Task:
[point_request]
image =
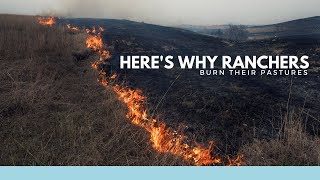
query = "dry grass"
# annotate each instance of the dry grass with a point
(292, 147)
(53, 112)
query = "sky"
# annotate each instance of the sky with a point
(172, 12)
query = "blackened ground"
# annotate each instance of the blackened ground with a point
(230, 110)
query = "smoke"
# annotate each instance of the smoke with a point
(172, 12)
(81, 8)
(205, 12)
(120, 9)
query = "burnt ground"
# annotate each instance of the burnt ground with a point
(232, 110)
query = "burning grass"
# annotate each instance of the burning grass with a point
(163, 139)
(73, 28)
(46, 21)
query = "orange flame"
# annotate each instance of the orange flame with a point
(238, 161)
(104, 54)
(75, 28)
(46, 21)
(94, 41)
(113, 76)
(95, 65)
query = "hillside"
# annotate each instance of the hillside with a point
(300, 27)
(308, 26)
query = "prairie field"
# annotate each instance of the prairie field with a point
(53, 112)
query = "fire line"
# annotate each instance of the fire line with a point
(162, 138)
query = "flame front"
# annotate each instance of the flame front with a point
(46, 21)
(163, 139)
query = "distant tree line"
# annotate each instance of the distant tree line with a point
(233, 32)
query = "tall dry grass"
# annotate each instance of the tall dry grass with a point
(293, 146)
(53, 112)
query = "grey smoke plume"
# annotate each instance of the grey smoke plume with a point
(206, 12)
(173, 12)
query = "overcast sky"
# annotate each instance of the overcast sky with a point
(172, 12)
